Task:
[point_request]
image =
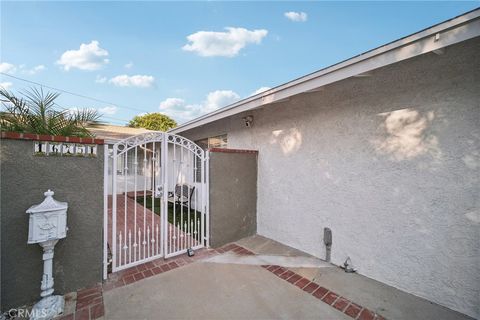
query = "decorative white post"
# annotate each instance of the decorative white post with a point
(47, 224)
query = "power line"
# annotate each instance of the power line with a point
(102, 116)
(72, 93)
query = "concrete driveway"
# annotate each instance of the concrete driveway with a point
(206, 290)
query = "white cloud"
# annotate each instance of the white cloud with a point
(296, 16)
(128, 65)
(124, 80)
(108, 110)
(218, 99)
(171, 103)
(260, 90)
(89, 57)
(6, 85)
(33, 70)
(73, 110)
(10, 68)
(179, 110)
(100, 79)
(224, 44)
(6, 67)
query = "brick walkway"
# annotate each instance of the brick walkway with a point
(89, 302)
(137, 225)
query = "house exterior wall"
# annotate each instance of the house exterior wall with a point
(232, 196)
(389, 162)
(78, 257)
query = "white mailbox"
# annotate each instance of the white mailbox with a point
(48, 220)
(47, 224)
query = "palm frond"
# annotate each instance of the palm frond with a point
(35, 113)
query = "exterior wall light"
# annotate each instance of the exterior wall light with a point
(248, 121)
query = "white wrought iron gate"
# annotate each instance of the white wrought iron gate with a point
(156, 199)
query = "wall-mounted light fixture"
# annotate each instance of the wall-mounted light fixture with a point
(248, 121)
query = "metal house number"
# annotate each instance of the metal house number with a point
(52, 149)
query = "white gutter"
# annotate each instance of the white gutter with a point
(458, 29)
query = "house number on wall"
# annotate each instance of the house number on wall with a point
(56, 149)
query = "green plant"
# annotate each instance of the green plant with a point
(35, 113)
(153, 121)
(181, 214)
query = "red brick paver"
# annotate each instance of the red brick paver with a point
(341, 303)
(311, 287)
(330, 298)
(353, 310)
(366, 314)
(323, 294)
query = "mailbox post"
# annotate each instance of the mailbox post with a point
(47, 225)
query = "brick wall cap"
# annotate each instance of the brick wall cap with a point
(43, 137)
(226, 150)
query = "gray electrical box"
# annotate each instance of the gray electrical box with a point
(327, 236)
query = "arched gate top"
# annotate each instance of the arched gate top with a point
(158, 136)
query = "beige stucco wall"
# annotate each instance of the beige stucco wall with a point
(390, 163)
(232, 196)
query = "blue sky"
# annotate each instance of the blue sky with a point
(152, 56)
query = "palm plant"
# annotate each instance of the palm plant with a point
(35, 113)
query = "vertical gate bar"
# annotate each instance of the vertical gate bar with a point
(177, 238)
(195, 183)
(148, 242)
(125, 177)
(114, 208)
(174, 176)
(144, 195)
(135, 244)
(139, 241)
(207, 197)
(164, 208)
(158, 240)
(129, 245)
(181, 195)
(202, 200)
(106, 164)
(161, 173)
(198, 233)
(190, 236)
(185, 235)
(120, 248)
(154, 160)
(188, 199)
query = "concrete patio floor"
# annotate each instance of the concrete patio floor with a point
(207, 289)
(379, 297)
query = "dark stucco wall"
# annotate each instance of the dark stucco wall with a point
(78, 257)
(233, 196)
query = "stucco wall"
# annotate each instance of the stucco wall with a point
(233, 196)
(389, 162)
(78, 258)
